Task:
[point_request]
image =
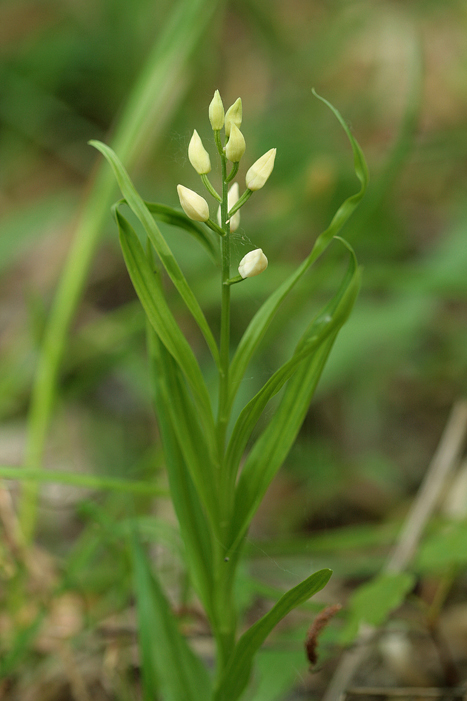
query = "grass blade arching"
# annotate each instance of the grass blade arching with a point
(264, 316)
(238, 671)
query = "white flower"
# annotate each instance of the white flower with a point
(232, 198)
(194, 206)
(233, 116)
(216, 112)
(199, 157)
(260, 170)
(236, 144)
(253, 263)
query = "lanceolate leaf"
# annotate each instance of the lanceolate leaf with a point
(197, 454)
(136, 203)
(238, 670)
(162, 320)
(167, 660)
(273, 445)
(329, 320)
(264, 316)
(193, 525)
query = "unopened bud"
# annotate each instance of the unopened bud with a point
(199, 157)
(260, 171)
(253, 263)
(232, 199)
(233, 116)
(236, 145)
(216, 112)
(194, 206)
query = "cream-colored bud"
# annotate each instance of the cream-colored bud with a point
(236, 144)
(199, 157)
(232, 198)
(194, 206)
(216, 112)
(233, 116)
(253, 263)
(260, 171)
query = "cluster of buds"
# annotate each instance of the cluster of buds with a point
(196, 207)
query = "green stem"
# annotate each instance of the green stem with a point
(240, 202)
(212, 225)
(209, 188)
(224, 614)
(234, 280)
(225, 318)
(233, 172)
(217, 139)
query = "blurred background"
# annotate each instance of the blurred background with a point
(397, 71)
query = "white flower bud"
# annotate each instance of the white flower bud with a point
(233, 116)
(199, 157)
(260, 171)
(194, 206)
(236, 144)
(253, 263)
(232, 198)
(216, 112)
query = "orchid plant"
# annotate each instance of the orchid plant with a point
(206, 442)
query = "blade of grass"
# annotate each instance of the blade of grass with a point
(237, 673)
(166, 257)
(168, 663)
(193, 524)
(264, 316)
(154, 98)
(183, 416)
(77, 479)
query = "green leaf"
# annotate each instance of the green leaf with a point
(193, 525)
(329, 320)
(238, 670)
(168, 663)
(373, 602)
(264, 316)
(80, 479)
(273, 445)
(162, 319)
(197, 454)
(444, 549)
(138, 206)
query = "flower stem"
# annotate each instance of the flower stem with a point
(233, 172)
(207, 184)
(225, 317)
(240, 202)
